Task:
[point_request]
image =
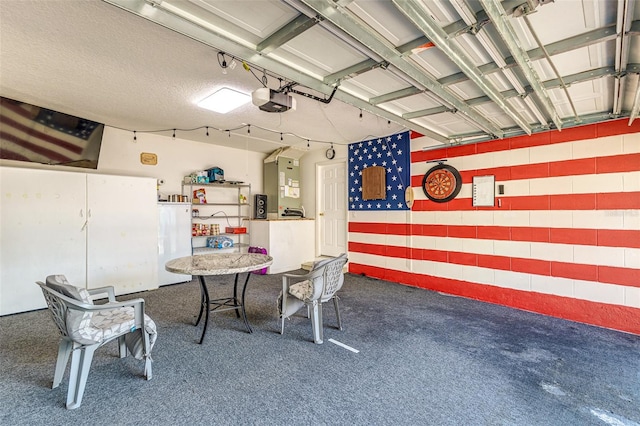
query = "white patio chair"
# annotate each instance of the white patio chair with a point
(85, 327)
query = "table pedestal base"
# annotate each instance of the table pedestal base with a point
(223, 304)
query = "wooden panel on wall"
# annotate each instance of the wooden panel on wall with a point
(373, 183)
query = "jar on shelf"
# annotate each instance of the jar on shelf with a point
(195, 213)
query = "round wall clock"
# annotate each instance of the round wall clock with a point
(330, 153)
(441, 183)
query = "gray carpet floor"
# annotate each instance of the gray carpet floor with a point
(424, 359)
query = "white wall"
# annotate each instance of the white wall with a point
(120, 154)
(308, 174)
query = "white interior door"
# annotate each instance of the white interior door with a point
(41, 233)
(332, 211)
(122, 239)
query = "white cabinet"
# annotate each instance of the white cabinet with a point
(291, 242)
(122, 233)
(227, 205)
(97, 230)
(174, 239)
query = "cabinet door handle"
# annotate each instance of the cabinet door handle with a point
(86, 222)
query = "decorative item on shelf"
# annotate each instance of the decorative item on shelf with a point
(195, 213)
(203, 229)
(215, 174)
(235, 230)
(219, 242)
(200, 196)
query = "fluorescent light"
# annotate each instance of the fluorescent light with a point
(224, 100)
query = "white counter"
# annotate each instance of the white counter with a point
(290, 242)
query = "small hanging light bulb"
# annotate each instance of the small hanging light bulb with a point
(135, 138)
(248, 128)
(223, 64)
(174, 133)
(388, 123)
(229, 133)
(280, 136)
(207, 130)
(360, 114)
(308, 147)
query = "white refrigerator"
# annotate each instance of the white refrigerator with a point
(174, 239)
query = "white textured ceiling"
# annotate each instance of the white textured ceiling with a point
(98, 61)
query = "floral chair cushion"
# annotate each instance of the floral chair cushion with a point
(114, 322)
(95, 327)
(302, 290)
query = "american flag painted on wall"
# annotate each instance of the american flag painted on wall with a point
(391, 152)
(563, 239)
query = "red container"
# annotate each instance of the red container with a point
(235, 230)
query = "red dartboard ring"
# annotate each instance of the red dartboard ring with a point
(441, 183)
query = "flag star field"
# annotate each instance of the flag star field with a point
(391, 152)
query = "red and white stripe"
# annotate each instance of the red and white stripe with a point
(564, 239)
(23, 139)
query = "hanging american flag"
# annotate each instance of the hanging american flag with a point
(32, 133)
(391, 152)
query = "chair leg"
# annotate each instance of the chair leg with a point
(316, 321)
(123, 347)
(148, 372)
(64, 350)
(80, 365)
(335, 304)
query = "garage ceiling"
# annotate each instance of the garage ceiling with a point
(458, 71)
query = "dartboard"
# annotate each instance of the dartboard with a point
(441, 183)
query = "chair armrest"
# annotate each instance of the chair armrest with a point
(101, 290)
(136, 304)
(74, 304)
(288, 278)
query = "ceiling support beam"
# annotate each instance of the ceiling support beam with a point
(392, 96)
(506, 31)
(623, 44)
(347, 22)
(636, 102)
(354, 71)
(512, 93)
(580, 77)
(489, 44)
(634, 29)
(407, 48)
(426, 112)
(288, 32)
(193, 27)
(415, 13)
(599, 35)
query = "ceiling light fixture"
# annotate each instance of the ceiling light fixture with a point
(224, 100)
